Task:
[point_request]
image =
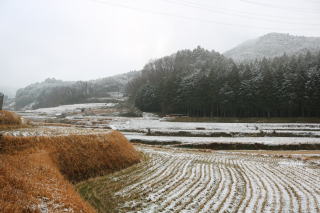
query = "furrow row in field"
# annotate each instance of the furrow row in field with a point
(161, 167)
(303, 194)
(192, 181)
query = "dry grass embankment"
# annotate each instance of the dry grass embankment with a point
(10, 120)
(35, 171)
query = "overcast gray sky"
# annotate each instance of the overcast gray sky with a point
(89, 39)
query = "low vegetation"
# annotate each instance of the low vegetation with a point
(9, 119)
(35, 172)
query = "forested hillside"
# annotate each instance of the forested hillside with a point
(205, 83)
(54, 92)
(273, 45)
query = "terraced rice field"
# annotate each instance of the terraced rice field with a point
(181, 180)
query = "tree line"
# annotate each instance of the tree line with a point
(53, 92)
(205, 83)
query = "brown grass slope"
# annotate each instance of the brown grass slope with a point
(7, 117)
(9, 120)
(35, 171)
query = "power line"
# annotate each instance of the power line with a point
(239, 11)
(185, 17)
(201, 7)
(300, 10)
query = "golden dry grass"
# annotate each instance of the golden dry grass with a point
(28, 180)
(35, 170)
(9, 118)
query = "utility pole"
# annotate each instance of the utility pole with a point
(1, 100)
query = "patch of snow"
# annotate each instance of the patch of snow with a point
(243, 140)
(70, 108)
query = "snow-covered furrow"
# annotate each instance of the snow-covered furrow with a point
(303, 192)
(172, 198)
(234, 197)
(274, 194)
(275, 202)
(308, 177)
(221, 191)
(155, 184)
(161, 168)
(189, 194)
(227, 190)
(199, 197)
(259, 190)
(194, 181)
(212, 191)
(146, 171)
(172, 185)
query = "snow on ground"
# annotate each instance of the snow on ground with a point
(70, 108)
(179, 180)
(54, 112)
(156, 124)
(164, 131)
(99, 115)
(206, 140)
(53, 131)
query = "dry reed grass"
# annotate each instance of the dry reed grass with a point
(9, 118)
(35, 171)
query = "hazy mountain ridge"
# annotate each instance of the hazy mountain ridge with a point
(53, 92)
(273, 45)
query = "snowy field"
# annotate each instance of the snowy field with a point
(54, 112)
(70, 108)
(53, 131)
(208, 140)
(172, 179)
(151, 128)
(175, 180)
(136, 129)
(156, 124)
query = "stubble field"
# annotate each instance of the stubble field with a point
(180, 180)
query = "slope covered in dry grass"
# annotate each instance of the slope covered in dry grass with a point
(35, 171)
(9, 120)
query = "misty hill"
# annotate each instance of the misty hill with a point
(52, 92)
(273, 45)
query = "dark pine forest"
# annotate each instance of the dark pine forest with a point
(205, 83)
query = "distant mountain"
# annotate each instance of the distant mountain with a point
(273, 45)
(52, 92)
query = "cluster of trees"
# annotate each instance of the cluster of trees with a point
(205, 83)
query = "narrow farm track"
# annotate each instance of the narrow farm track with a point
(180, 180)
